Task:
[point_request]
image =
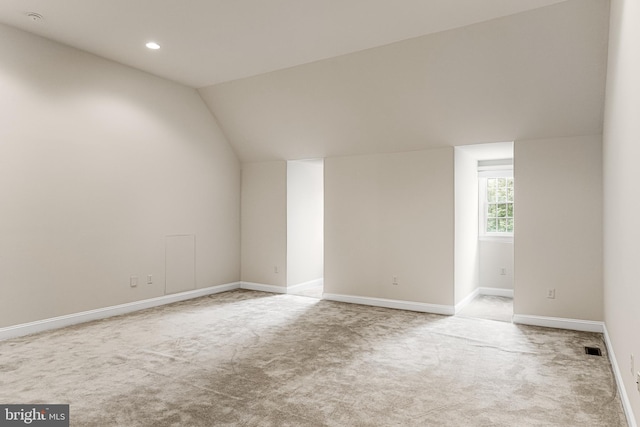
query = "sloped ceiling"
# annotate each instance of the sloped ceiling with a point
(210, 41)
(291, 79)
(532, 75)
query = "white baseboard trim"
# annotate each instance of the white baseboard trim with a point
(263, 288)
(559, 323)
(626, 404)
(497, 292)
(448, 310)
(304, 285)
(462, 304)
(101, 313)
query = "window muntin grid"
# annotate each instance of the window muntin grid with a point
(499, 205)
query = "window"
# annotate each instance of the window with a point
(499, 202)
(496, 197)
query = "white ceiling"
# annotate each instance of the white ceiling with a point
(205, 42)
(533, 75)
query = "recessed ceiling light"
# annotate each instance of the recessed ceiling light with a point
(153, 45)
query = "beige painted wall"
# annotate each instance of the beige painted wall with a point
(264, 223)
(98, 163)
(391, 215)
(531, 75)
(494, 256)
(305, 221)
(466, 224)
(622, 203)
(558, 237)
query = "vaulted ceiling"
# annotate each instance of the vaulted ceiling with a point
(299, 79)
(210, 41)
(537, 74)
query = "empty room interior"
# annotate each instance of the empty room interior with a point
(340, 213)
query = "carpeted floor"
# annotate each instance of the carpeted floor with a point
(314, 291)
(489, 307)
(246, 358)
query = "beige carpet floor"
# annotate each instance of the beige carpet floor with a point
(246, 358)
(314, 291)
(489, 307)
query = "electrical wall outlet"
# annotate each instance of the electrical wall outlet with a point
(149, 279)
(551, 293)
(503, 271)
(394, 282)
(133, 281)
(275, 269)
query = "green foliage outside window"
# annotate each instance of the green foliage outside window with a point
(499, 205)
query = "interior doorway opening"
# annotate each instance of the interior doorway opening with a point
(485, 227)
(305, 227)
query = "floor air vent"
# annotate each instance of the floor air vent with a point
(593, 351)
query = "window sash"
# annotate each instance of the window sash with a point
(496, 203)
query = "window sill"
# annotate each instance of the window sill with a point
(499, 239)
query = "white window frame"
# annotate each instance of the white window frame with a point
(505, 171)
